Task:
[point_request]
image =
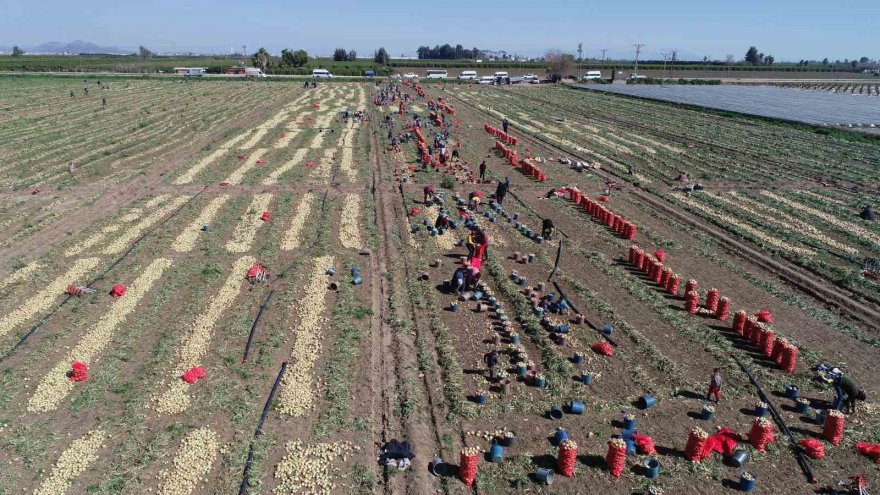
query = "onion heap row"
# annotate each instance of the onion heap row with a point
(249, 222)
(124, 241)
(186, 240)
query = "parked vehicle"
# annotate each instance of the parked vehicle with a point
(530, 77)
(468, 75)
(190, 71)
(321, 73)
(253, 72)
(486, 80)
(635, 77)
(436, 74)
(369, 73)
(592, 74)
(410, 75)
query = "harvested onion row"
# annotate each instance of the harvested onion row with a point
(71, 464)
(43, 299)
(238, 174)
(308, 468)
(291, 238)
(248, 223)
(55, 385)
(124, 241)
(296, 395)
(193, 461)
(198, 337)
(204, 162)
(349, 234)
(346, 164)
(132, 215)
(186, 241)
(20, 274)
(832, 219)
(298, 157)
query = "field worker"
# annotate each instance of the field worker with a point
(475, 203)
(501, 190)
(458, 279)
(715, 386)
(868, 212)
(482, 168)
(481, 245)
(491, 360)
(71, 93)
(847, 395)
(104, 101)
(429, 193)
(470, 243)
(505, 124)
(473, 277)
(547, 229)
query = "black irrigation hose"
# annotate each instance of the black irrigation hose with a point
(98, 277)
(798, 452)
(243, 488)
(247, 347)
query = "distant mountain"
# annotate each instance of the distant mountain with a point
(77, 46)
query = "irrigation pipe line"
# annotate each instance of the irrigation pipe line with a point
(243, 488)
(39, 324)
(798, 452)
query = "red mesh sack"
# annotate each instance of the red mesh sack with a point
(603, 348)
(644, 444)
(79, 372)
(813, 448)
(193, 374)
(768, 340)
(776, 353)
(789, 358)
(616, 457)
(690, 286)
(660, 255)
(118, 290)
(739, 322)
(566, 458)
(833, 429)
(871, 450)
(467, 470)
(712, 298)
(696, 444)
(723, 311)
(674, 282)
(692, 302)
(761, 434)
(764, 316)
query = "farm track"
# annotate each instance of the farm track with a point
(428, 439)
(799, 277)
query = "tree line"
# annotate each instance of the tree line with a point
(449, 52)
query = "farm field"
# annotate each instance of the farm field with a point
(205, 376)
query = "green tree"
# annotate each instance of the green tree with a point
(752, 56)
(559, 65)
(825, 61)
(352, 55)
(294, 59)
(16, 51)
(864, 60)
(381, 57)
(769, 60)
(340, 55)
(144, 53)
(262, 59)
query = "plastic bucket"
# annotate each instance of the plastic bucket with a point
(496, 453)
(453, 307)
(556, 413)
(820, 416)
(540, 382)
(521, 371)
(577, 358)
(607, 329)
(707, 414)
(522, 282)
(576, 407)
(760, 412)
(357, 280)
(802, 407)
(334, 286)
(738, 458)
(647, 401)
(791, 391)
(652, 466)
(587, 378)
(507, 441)
(563, 328)
(330, 271)
(478, 295)
(545, 476)
(438, 468)
(627, 434)
(629, 424)
(531, 258)
(355, 272)
(746, 485)
(515, 339)
(630, 446)
(560, 436)
(481, 399)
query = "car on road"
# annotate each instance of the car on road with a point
(468, 75)
(486, 80)
(410, 75)
(530, 77)
(322, 73)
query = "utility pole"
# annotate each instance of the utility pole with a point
(665, 56)
(243, 54)
(638, 51)
(672, 66)
(603, 54)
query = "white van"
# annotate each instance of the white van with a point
(253, 72)
(501, 74)
(467, 75)
(436, 74)
(321, 73)
(592, 74)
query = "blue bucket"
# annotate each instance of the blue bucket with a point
(516, 216)
(414, 229)
(707, 414)
(577, 358)
(357, 280)
(576, 407)
(481, 399)
(556, 413)
(652, 466)
(628, 434)
(478, 295)
(607, 329)
(738, 458)
(791, 391)
(587, 378)
(545, 476)
(521, 371)
(560, 436)
(522, 282)
(496, 453)
(802, 407)
(426, 221)
(540, 382)
(433, 232)
(355, 272)
(515, 339)
(760, 412)
(563, 328)
(531, 258)
(629, 424)
(630, 446)
(453, 307)
(746, 485)
(646, 401)
(206, 228)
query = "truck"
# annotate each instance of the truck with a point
(190, 71)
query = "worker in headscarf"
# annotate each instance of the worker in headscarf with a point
(429, 193)
(547, 229)
(457, 283)
(501, 190)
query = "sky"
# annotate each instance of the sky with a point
(787, 29)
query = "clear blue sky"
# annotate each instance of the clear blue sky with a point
(787, 29)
